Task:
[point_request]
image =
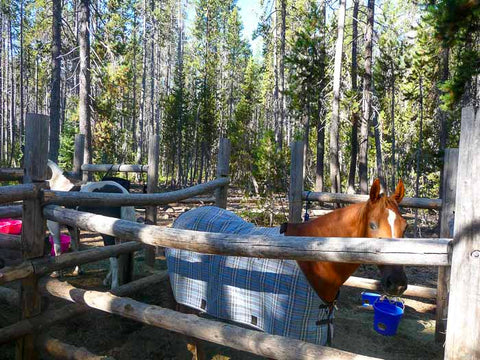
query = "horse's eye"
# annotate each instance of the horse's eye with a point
(373, 226)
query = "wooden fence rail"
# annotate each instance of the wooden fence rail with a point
(252, 341)
(419, 203)
(114, 168)
(353, 250)
(67, 198)
(11, 174)
(13, 193)
(9, 241)
(46, 265)
(50, 317)
(371, 284)
(14, 211)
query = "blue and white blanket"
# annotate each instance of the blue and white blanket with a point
(270, 295)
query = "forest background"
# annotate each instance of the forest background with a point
(374, 88)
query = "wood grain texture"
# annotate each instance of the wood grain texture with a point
(255, 342)
(463, 327)
(447, 217)
(355, 250)
(420, 203)
(78, 156)
(297, 173)
(223, 170)
(67, 198)
(152, 187)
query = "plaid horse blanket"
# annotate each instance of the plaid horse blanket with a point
(269, 295)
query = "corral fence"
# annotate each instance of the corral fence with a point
(462, 253)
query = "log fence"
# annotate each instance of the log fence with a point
(462, 338)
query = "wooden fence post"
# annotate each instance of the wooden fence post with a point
(297, 170)
(78, 156)
(152, 185)
(447, 216)
(223, 169)
(463, 326)
(34, 224)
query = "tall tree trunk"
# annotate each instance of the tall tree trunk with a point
(378, 151)
(12, 94)
(140, 136)
(276, 107)
(392, 115)
(319, 172)
(335, 122)
(443, 116)
(180, 88)
(419, 154)
(55, 92)
(134, 85)
(22, 73)
(281, 90)
(152, 72)
(367, 100)
(355, 117)
(84, 111)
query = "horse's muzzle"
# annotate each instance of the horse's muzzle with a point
(395, 284)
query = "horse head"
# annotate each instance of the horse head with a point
(383, 220)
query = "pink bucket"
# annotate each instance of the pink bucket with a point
(64, 243)
(10, 226)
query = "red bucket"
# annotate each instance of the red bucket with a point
(10, 226)
(64, 244)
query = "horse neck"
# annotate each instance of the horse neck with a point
(326, 278)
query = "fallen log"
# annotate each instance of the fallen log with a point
(427, 252)
(48, 318)
(256, 342)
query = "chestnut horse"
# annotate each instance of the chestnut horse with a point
(379, 217)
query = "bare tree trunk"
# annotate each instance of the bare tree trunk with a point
(55, 97)
(319, 172)
(335, 122)
(378, 151)
(84, 111)
(134, 85)
(281, 89)
(355, 117)
(152, 129)
(180, 86)
(276, 107)
(392, 115)
(367, 100)
(12, 99)
(443, 114)
(419, 154)
(22, 71)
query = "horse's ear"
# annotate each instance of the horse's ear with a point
(399, 192)
(375, 190)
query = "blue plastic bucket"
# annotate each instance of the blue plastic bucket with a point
(387, 316)
(369, 298)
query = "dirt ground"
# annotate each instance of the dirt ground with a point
(114, 336)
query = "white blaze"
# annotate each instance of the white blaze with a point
(391, 220)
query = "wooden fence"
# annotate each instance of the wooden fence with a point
(463, 332)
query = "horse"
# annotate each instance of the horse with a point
(59, 181)
(219, 285)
